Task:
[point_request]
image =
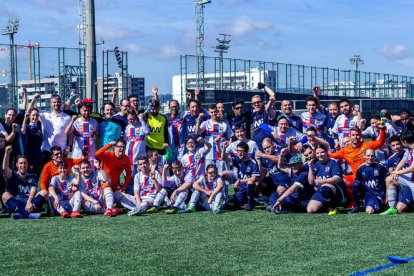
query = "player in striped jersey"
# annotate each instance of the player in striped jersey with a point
(95, 199)
(135, 136)
(283, 131)
(146, 186)
(207, 190)
(174, 189)
(345, 122)
(64, 196)
(176, 130)
(216, 132)
(194, 161)
(240, 134)
(85, 129)
(312, 117)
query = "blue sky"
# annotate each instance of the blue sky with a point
(155, 32)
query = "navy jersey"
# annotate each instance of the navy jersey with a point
(329, 124)
(373, 178)
(245, 169)
(33, 140)
(21, 186)
(394, 160)
(293, 121)
(327, 170)
(278, 177)
(245, 120)
(259, 134)
(191, 121)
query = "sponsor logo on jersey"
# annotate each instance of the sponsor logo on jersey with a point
(376, 173)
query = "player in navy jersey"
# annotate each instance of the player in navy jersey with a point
(370, 180)
(398, 149)
(277, 181)
(326, 176)
(262, 114)
(243, 177)
(238, 117)
(403, 178)
(297, 197)
(286, 110)
(331, 113)
(190, 118)
(21, 197)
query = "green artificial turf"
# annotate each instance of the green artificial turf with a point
(237, 242)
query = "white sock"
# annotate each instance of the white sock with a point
(109, 199)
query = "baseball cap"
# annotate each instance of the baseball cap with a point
(87, 100)
(295, 159)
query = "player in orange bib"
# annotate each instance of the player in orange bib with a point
(354, 153)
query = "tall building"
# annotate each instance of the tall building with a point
(126, 86)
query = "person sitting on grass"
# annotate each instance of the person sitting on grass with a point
(94, 198)
(403, 178)
(207, 190)
(243, 177)
(176, 187)
(326, 176)
(297, 196)
(146, 186)
(65, 197)
(370, 180)
(21, 197)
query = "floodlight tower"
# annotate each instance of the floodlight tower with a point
(222, 47)
(356, 60)
(199, 12)
(10, 30)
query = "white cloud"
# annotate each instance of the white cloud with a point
(243, 25)
(397, 51)
(169, 51)
(108, 33)
(134, 49)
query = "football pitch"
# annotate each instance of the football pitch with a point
(203, 243)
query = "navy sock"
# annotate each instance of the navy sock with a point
(250, 195)
(13, 206)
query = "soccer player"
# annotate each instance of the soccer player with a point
(176, 130)
(191, 117)
(370, 180)
(345, 122)
(326, 176)
(114, 163)
(243, 177)
(207, 190)
(52, 167)
(135, 135)
(216, 132)
(398, 149)
(240, 134)
(175, 189)
(194, 160)
(262, 114)
(21, 197)
(156, 161)
(402, 178)
(110, 127)
(297, 196)
(85, 129)
(65, 197)
(354, 153)
(146, 186)
(312, 117)
(286, 110)
(278, 180)
(238, 117)
(94, 198)
(283, 131)
(157, 123)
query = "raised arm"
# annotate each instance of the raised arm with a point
(68, 129)
(6, 169)
(155, 91)
(24, 98)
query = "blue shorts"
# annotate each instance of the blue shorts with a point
(405, 196)
(375, 202)
(335, 199)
